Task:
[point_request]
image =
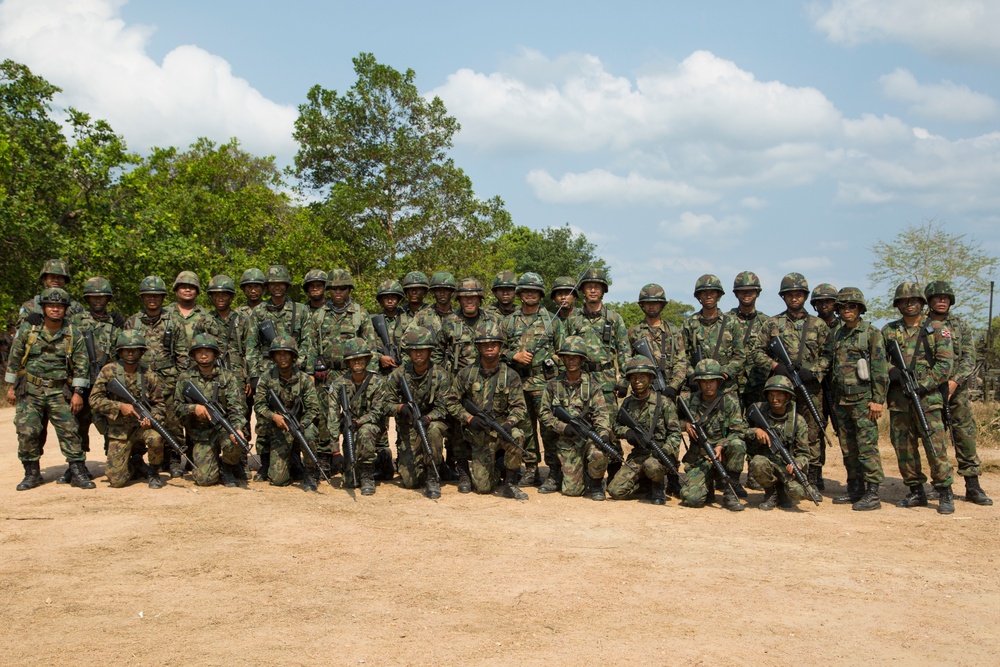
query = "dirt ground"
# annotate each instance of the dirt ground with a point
(216, 576)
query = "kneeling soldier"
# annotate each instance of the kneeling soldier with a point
(766, 467)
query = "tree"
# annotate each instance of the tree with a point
(930, 252)
(551, 252)
(674, 312)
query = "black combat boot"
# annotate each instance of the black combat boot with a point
(657, 493)
(308, 479)
(511, 490)
(265, 464)
(915, 498)
(673, 483)
(139, 469)
(784, 502)
(464, 477)
(326, 463)
(613, 468)
(66, 477)
(595, 487)
(367, 474)
(819, 483)
(974, 493)
(740, 491)
(869, 501)
(384, 469)
(176, 467)
(32, 476)
(80, 478)
(946, 500)
(155, 481)
(553, 482)
(710, 485)
(770, 499)
(730, 501)
(433, 488)
(530, 477)
(855, 489)
(226, 476)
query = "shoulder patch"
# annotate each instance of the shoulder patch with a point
(945, 333)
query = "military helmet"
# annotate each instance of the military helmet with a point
(823, 291)
(252, 277)
(652, 293)
(563, 283)
(852, 295)
(488, 330)
(940, 287)
(779, 383)
(640, 364)
(152, 285)
(54, 295)
(415, 279)
(390, 287)
(908, 290)
(204, 340)
(574, 345)
(132, 338)
(595, 275)
(221, 283)
(469, 287)
(55, 267)
(278, 273)
(443, 279)
(97, 286)
(708, 282)
(530, 281)
(339, 278)
(315, 276)
(283, 343)
(505, 278)
(187, 278)
(794, 282)
(418, 338)
(746, 280)
(355, 348)
(708, 369)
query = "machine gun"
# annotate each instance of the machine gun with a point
(642, 347)
(626, 420)
(476, 411)
(776, 348)
(215, 412)
(584, 429)
(404, 387)
(382, 329)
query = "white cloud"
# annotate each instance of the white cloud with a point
(944, 101)
(85, 48)
(601, 186)
(691, 225)
(753, 203)
(804, 264)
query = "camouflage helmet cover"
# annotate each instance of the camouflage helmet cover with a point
(746, 280)
(390, 287)
(563, 283)
(54, 295)
(794, 282)
(278, 273)
(505, 278)
(283, 343)
(940, 287)
(708, 369)
(779, 383)
(652, 293)
(852, 295)
(252, 277)
(823, 291)
(187, 278)
(443, 279)
(418, 338)
(574, 345)
(221, 283)
(132, 338)
(55, 267)
(595, 275)
(97, 286)
(530, 281)
(339, 278)
(415, 279)
(355, 348)
(708, 282)
(469, 287)
(152, 285)
(489, 331)
(315, 276)
(908, 290)
(204, 341)
(640, 364)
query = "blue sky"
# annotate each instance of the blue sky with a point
(681, 138)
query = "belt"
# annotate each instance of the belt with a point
(48, 383)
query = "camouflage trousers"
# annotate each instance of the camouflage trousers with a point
(539, 431)
(577, 455)
(412, 461)
(734, 455)
(282, 448)
(817, 453)
(366, 439)
(963, 426)
(484, 455)
(859, 443)
(84, 419)
(769, 471)
(694, 490)
(323, 443)
(34, 409)
(121, 440)
(208, 447)
(904, 431)
(637, 466)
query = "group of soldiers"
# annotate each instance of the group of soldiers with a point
(485, 395)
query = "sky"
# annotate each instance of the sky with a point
(681, 138)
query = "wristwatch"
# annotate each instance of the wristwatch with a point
(79, 391)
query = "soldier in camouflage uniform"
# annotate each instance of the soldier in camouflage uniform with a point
(769, 469)
(187, 287)
(664, 339)
(365, 390)
(54, 273)
(657, 417)
(430, 386)
(128, 436)
(719, 414)
(533, 335)
(824, 302)
(252, 286)
(233, 331)
(298, 394)
(415, 286)
(48, 372)
(940, 298)
(859, 376)
(749, 321)
(314, 286)
(390, 294)
(495, 388)
(564, 293)
(711, 334)
(443, 286)
(504, 289)
(582, 463)
(929, 355)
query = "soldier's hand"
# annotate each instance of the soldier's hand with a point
(279, 421)
(670, 393)
(118, 319)
(385, 361)
(874, 411)
(201, 412)
(718, 452)
(477, 423)
(570, 431)
(781, 369)
(895, 376)
(336, 463)
(689, 429)
(621, 390)
(426, 421)
(355, 424)
(232, 437)
(524, 357)
(762, 436)
(806, 375)
(508, 426)
(404, 411)
(790, 469)
(35, 319)
(145, 423)
(248, 390)
(633, 438)
(11, 397)
(126, 410)
(952, 388)
(75, 403)
(924, 391)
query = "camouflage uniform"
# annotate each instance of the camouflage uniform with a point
(236, 334)
(716, 338)
(751, 379)
(564, 284)
(413, 279)
(191, 320)
(430, 317)
(105, 335)
(768, 468)
(607, 342)
(506, 279)
(666, 341)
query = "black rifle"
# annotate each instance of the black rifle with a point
(118, 390)
(702, 441)
(584, 428)
(266, 332)
(776, 348)
(697, 354)
(295, 428)
(347, 426)
(909, 387)
(828, 405)
(382, 329)
(404, 387)
(756, 418)
(626, 420)
(88, 342)
(946, 413)
(476, 411)
(642, 347)
(215, 412)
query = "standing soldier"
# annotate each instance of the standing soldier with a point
(749, 321)
(415, 286)
(564, 293)
(940, 298)
(769, 470)
(187, 287)
(252, 286)
(54, 274)
(314, 286)
(823, 301)
(533, 335)
(48, 373)
(504, 289)
(858, 383)
(390, 294)
(443, 288)
(929, 355)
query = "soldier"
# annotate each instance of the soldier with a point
(54, 274)
(656, 415)
(504, 289)
(664, 339)
(430, 386)
(252, 286)
(48, 373)
(711, 334)
(929, 355)
(443, 288)
(858, 383)
(390, 294)
(823, 301)
(941, 297)
(768, 469)
(533, 335)
(128, 436)
(298, 394)
(581, 463)
(233, 330)
(495, 388)
(564, 292)
(749, 321)
(187, 287)
(365, 391)
(415, 286)
(314, 285)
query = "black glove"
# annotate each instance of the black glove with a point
(253, 383)
(895, 376)
(923, 391)
(35, 319)
(508, 426)
(670, 393)
(782, 369)
(336, 463)
(118, 319)
(425, 420)
(478, 423)
(621, 390)
(570, 431)
(806, 375)
(633, 438)
(405, 411)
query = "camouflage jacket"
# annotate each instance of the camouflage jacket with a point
(657, 417)
(143, 384)
(328, 329)
(716, 338)
(105, 336)
(431, 318)
(806, 339)
(289, 319)
(221, 387)
(48, 357)
(297, 394)
(607, 343)
(34, 305)
(366, 401)
(406, 318)
(965, 349)
(253, 355)
(499, 394)
(750, 327)
(456, 347)
(723, 423)
(430, 391)
(584, 399)
(850, 346)
(791, 428)
(237, 338)
(667, 345)
(494, 310)
(166, 342)
(540, 334)
(189, 321)
(929, 354)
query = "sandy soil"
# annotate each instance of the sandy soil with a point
(216, 576)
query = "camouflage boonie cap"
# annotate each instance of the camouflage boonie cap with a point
(315, 276)
(339, 278)
(595, 275)
(443, 279)
(574, 345)
(940, 287)
(504, 279)
(130, 339)
(708, 282)
(252, 277)
(415, 279)
(746, 280)
(356, 347)
(794, 282)
(418, 338)
(779, 383)
(639, 364)
(277, 273)
(489, 331)
(152, 285)
(469, 287)
(55, 267)
(652, 293)
(221, 283)
(707, 369)
(283, 342)
(54, 295)
(530, 281)
(852, 295)
(187, 278)
(823, 291)
(563, 283)
(908, 290)
(97, 286)
(390, 287)
(204, 340)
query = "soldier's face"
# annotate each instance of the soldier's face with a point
(186, 293)
(849, 312)
(339, 295)
(489, 350)
(592, 292)
(640, 383)
(746, 297)
(909, 307)
(940, 303)
(469, 304)
(98, 303)
(420, 356)
(130, 355)
(283, 359)
(204, 356)
(315, 290)
(389, 302)
(277, 289)
(53, 280)
(357, 365)
(824, 307)
(777, 400)
(652, 308)
(415, 295)
(565, 298)
(530, 297)
(221, 300)
(442, 295)
(795, 300)
(152, 302)
(709, 387)
(253, 291)
(572, 362)
(54, 311)
(709, 298)
(504, 295)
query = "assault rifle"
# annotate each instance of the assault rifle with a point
(347, 426)
(382, 329)
(215, 412)
(295, 428)
(88, 342)
(642, 347)
(418, 425)
(266, 332)
(776, 348)
(756, 418)
(702, 441)
(476, 411)
(626, 420)
(909, 387)
(584, 429)
(118, 390)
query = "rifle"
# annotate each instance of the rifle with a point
(266, 332)
(778, 351)
(118, 390)
(295, 428)
(702, 440)
(626, 420)
(584, 428)
(946, 413)
(348, 428)
(757, 419)
(642, 347)
(909, 387)
(382, 329)
(195, 395)
(697, 354)
(476, 411)
(418, 425)
(88, 342)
